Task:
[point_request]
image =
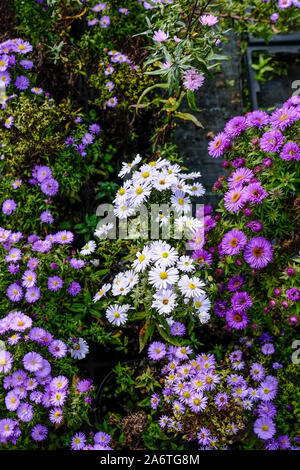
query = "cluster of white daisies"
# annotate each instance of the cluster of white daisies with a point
(159, 175)
(170, 276)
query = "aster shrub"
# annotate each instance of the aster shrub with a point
(159, 282)
(254, 233)
(221, 403)
(43, 398)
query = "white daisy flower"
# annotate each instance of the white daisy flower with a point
(104, 289)
(102, 231)
(122, 193)
(162, 219)
(195, 189)
(142, 260)
(179, 185)
(124, 210)
(165, 301)
(121, 289)
(139, 193)
(164, 255)
(146, 174)
(88, 248)
(79, 349)
(185, 264)
(163, 181)
(204, 317)
(117, 314)
(95, 262)
(174, 169)
(131, 277)
(127, 167)
(162, 278)
(191, 287)
(180, 202)
(191, 176)
(202, 303)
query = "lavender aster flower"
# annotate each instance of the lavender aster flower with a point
(258, 252)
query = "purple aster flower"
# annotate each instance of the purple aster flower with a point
(32, 294)
(241, 301)
(26, 64)
(235, 199)
(64, 237)
(12, 401)
(25, 412)
(13, 255)
(203, 436)
(255, 193)
(264, 428)
(9, 206)
(271, 141)
(156, 350)
(255, 226)
(236, 320)
(76, 263)
(160, 36)
(284, 442)
(293, 294)
(202, 257)
(102, 438)
(84, 386)
(14, 292)
(233, 242)
(22, 82)
(177, 329)
(13, 268)
(6, 361)
(29, 278)
(87, 138)
(105, 21)
(274, 17)
(78, 441)
(282, 118)
(239, 176)
(258, 252)
(220, 308)
(290, 151)
(154, 401)
(46, 217)
(235, 283)
(39, 432)
(74, 288)
(235, 126)
(257, 371)
(193, 80)
(267, 349)
(56, 415)
(218, 145)
(268, 388)
(33, 263)
(94, 128)
(58, 348)
(55, 283)
(266, 409)
(257, 119)
(32, 361)
(221, 400)
(49, 186)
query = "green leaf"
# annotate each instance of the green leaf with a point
(188, 117)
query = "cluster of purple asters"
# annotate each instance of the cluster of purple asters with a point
(100, 438)
(272, 140)
(87, 139)
(42, 176)
(12, 69)
(20, 261)
(198, 385)
(29, 380)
